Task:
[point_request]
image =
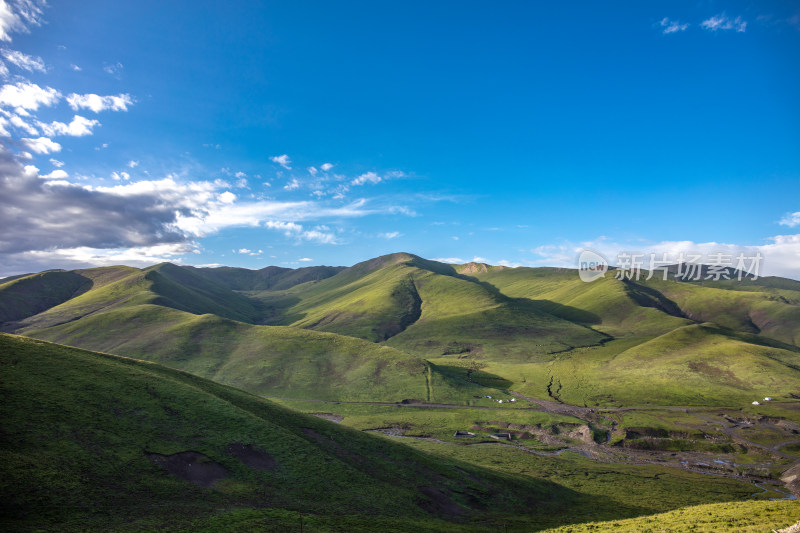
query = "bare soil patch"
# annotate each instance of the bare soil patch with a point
(190, 466)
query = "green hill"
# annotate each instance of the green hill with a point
(266, 360)
(747, 517)
(429, 309)
(268, 278)
(99, 442)
(402, 327)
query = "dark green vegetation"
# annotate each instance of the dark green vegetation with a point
(541, 332)
(89, 438)
(612, 374)
(98, 441)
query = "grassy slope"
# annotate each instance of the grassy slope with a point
(264, 360)
(749, 517)
(76, 426)
(165, 284)
(25, 296)
(268, 278)
(766, 312)
(701, 364)
(607, 305)
(624, 491)
(428, 309)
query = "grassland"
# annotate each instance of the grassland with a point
(85, 434)
(80, 430)
(656, 372)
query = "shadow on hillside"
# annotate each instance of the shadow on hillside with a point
(466, 375)
(566, 312)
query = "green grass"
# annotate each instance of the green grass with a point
(749, 517)
(766, 313)
(265, 360)
(623, 491)
(77, 426)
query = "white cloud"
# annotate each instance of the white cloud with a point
(283, 160)
(99, 103)
(292, 229)
(326, 167)
(115, 69)
(119, 176)
(672, 26)
(85, 256)
(305, 259)
(25, 95)
(791, 219)
(23, 61)
(292, 185)
(56, 175)
(18, 16)
(227, 197)
(240, 175)
(76, 68)
(367, 177)
(722, 22)
(42, 145)
(18, 122)
(478, 259)
(390, 235)
(56, 163)
(312, 170)
(133, 164)
(452, 260)
(781, 254)
(78, 127)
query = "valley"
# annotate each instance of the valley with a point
(601, 401)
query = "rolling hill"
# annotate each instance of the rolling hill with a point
(402, 327)
(95, 441)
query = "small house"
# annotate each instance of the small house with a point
(462, 434)
(501, 436)
(768, 399)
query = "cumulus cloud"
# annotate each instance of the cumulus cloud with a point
(23, 61)
(99, 103)
(791, 219)
(27, 96)
(390, 235)
(292, 185)
(367, 177)
(451, 260)
(326, 167)
(305, 259)
(57, 174)
(283, 160)
(247, 251)
(53, 221)
(41, 145)
(722, 22)
(78, 127)
(672, 26)
(17, 16)
(46, 216)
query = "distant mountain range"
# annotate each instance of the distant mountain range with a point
(403, 327)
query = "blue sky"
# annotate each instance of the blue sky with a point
(304, 133)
